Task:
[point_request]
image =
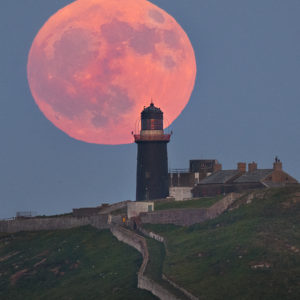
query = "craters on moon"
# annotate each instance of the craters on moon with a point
(91, 73)
(156, 16)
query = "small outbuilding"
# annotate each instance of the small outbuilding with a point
(135, 208)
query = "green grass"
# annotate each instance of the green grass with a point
(156, 259)
(216, 259)
(82, 263)
(195, 203)
(154, 267)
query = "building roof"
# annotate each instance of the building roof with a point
(152, 112)
(254, 176)
(271, 184)
(220, 177)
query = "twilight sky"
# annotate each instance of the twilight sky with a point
(245, 105)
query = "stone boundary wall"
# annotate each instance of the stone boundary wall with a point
(168, 199)
(187, 217)
(116, 219)
(55, 223)
(222, 205)
(188, 294)
(182, 217)
(140, 244)
(151, 235)
(161, 239)
(113, 207)
(134, 240)
(85, 211)
(148, 284)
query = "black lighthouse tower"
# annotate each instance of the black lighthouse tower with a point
(152, 158)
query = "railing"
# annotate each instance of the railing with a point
(160, 137)
(175, 171)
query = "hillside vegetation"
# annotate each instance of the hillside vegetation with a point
(250, 252)
(81, 263)
(195, 203)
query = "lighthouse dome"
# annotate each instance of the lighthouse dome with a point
(152, 112)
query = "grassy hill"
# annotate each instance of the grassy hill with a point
(195, 203)
(82, 263)
(250, 252)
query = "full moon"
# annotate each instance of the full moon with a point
(95, 64)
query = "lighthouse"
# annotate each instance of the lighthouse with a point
(152, 156)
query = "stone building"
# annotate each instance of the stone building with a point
(238, 180)
(182, 181)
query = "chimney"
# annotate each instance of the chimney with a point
(252, 167)
(277, 165)
(217, 167)
(241, 166)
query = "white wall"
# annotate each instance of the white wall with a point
(135, 208)
(180, 193)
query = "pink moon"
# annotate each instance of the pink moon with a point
(95, 64)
